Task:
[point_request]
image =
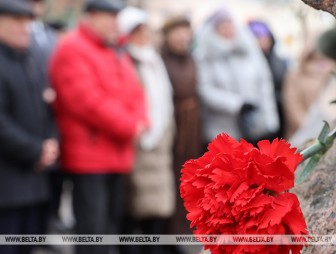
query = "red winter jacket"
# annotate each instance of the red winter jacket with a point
(99, 104)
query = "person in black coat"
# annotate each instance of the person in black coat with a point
(27, 144)
(45, 39)
(278, 66)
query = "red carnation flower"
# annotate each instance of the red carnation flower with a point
(236, 188)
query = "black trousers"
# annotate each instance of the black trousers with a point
(98, 208)
(22, 220)
(150, 226)
(56, 180)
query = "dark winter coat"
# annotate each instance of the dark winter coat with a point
(278, 67)
(182, 72)
(24, 123)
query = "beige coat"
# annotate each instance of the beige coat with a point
(302, 87)
(321, 110)
(151, 185)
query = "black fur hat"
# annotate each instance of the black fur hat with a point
(327, 43)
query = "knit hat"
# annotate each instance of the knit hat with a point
(16, 8)
(219, 16)
(174, 22)
(130, 18)
(113, 6)
(259, 28)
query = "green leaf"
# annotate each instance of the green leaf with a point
(322, 144)
(308, 168)
(323, 136)
(316, 151)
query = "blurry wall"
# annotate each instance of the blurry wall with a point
(291, 20)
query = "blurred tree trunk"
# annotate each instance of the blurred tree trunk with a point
(324, 5)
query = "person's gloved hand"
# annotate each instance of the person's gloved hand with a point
(247, 108)
(247, 122)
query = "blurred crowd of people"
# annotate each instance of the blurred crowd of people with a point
(107, 108)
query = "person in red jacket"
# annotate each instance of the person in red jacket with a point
(100, 112)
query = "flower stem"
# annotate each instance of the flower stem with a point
(310, 151)
(316, 151)
(323, 143)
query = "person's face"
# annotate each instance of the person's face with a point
(38, 7)
(15, 32)
(179, 39)
(226, 29)
(265, 43)
(105, 25)
(321, 63)
(141, 36)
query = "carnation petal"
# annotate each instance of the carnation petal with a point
(235, 188)
(295, 219)
(242, 187)
(275, 213)
(223, 143)
(275, 176)
(282, 149)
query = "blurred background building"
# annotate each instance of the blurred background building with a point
(292, 21)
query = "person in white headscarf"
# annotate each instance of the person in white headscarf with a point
(151, 198)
